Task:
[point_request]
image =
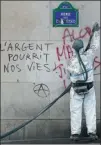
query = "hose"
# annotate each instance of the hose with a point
(82, 64)
(41, 112)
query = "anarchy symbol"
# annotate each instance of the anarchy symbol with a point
(41, 90)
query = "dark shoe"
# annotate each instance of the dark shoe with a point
(74, 137)
(93, 136)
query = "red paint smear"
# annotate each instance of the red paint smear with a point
(96, 63)
(64, 82)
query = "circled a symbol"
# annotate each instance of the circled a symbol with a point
(41, 90)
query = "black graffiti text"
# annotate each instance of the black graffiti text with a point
(38, 66)
(11, 68)
(8, 46)
(27, 56)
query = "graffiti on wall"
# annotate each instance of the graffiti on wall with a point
(66, 51)
(41, 90)
(36, 54)
(32, 56)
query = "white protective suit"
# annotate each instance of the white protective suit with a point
(89, 99)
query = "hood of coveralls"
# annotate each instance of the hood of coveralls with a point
(78, 46)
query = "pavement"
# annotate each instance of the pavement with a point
(83, 140)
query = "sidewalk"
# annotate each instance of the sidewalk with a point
(51, 141)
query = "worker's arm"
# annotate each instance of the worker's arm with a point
(94, 40)
(95, 43)
(94, 46)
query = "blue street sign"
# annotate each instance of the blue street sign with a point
(65, 15)
(65, 18)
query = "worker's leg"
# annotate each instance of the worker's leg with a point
(90, 110)
(75, 111)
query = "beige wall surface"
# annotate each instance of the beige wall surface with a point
(32, 73)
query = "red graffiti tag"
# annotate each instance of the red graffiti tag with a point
(82, 34)
(59, 54)
(60, 68)
(66, 51)
(69, 51)
(62, 71)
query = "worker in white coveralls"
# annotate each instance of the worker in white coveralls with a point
(80, 68)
